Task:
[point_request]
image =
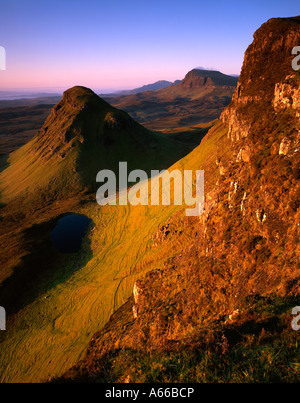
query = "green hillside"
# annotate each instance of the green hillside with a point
(56, 171)
(68, 303)
(82, 135)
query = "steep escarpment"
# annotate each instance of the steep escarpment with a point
(225, 298)
(250, 226)
(259, 191)
(266, 67)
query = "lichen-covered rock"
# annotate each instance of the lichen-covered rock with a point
(266, 79)
(244, 154)
(287, 94)
(284, 146)
(137, 290)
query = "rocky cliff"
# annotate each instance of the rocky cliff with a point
(245, 247)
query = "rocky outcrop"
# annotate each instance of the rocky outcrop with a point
(267, 78)
(250, 217)
(244, 154)
(287, 94)
(247, 239)
(290, 146)
(161, 234)
(118, 121)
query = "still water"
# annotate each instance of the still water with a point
(69, 232)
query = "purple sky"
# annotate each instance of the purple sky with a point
(109, 45)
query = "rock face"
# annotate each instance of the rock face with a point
(267, 77)
(244, 154)
(137, 295)
(287, 95)
(263, 124)
(247, 241)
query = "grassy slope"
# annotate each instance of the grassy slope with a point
(49, 335)
(29, 172)
(37, 186)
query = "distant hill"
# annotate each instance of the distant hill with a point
(21, 102)
(82, 135)
(158, 85)
(19, 124)
(198, 78)
(14, 95)
(199, 98)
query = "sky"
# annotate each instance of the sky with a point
(107, 45)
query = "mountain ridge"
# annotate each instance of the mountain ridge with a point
(157, 85)
(199, 78)
(199, 98)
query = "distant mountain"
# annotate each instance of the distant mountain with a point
(199, 78)
(199, 98)
(148, 87)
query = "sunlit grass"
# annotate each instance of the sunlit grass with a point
(49, 335)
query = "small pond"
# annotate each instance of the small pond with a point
(69, 232)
